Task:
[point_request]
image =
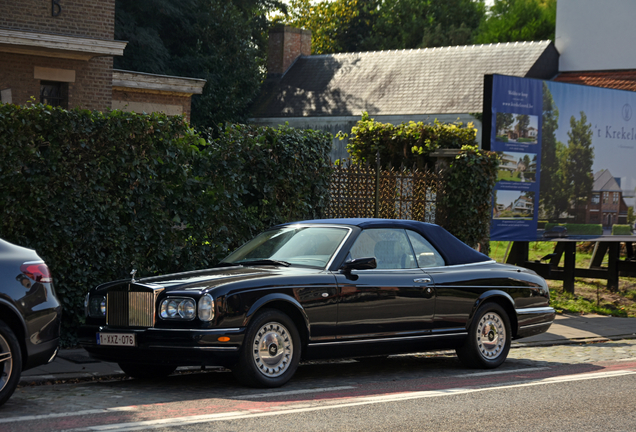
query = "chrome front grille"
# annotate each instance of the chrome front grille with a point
(130, 309)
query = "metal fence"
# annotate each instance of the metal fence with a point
(365, 191)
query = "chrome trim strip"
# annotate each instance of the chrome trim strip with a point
(221, 330)
(387, 339)
(536, 325)
(195, 348)
(536, 310)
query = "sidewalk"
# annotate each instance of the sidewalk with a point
(76, 364)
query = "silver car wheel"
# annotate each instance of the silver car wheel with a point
(273, 349)
(6, 362)
(491, 335)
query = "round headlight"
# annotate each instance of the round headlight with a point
(97, 306)
(206, 308)
(186, 309)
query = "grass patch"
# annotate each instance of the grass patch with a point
(590, 295)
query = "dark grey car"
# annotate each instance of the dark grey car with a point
(30, 315)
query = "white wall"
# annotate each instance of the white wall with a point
(594, 35)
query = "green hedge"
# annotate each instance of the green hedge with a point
(621, 230)
(98, 194)
(408, 143)
(467, 199)
(579, 229)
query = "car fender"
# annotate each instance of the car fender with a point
(15, 321)
(500, 297)
(269, 299)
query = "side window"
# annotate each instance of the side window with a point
(390, 247)
(426, 254)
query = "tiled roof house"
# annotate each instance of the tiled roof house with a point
(330, 92)
(606, 205)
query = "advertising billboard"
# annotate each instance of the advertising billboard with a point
(567, 159)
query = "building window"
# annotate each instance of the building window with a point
(605, 197)
(54, 93)
(596, 198)
(615, 198)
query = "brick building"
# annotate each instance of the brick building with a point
(60, 52)
(606, 205)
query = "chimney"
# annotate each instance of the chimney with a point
(286, 44)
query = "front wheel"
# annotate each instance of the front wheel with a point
(488, 339)
(146, 371)
(10, 362)
(271, 351)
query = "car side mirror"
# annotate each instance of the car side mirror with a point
(367, 263)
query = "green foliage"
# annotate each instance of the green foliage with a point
(98, 194)
(408, 143)
(518, 20)
(221, 41)
(579, 229)
(372, 25)
(621, 229)
(577, 169)
(630, 215)
(467, 198)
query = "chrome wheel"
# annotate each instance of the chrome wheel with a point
(491, 335)
(6, 362)
(273, 349)
(488, 340)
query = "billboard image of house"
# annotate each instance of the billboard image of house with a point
(517, 128)
(517, 167)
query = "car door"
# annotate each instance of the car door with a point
(396, 298)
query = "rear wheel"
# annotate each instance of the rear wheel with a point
(271, 351)
(10, 362)
(488, 339)
(146, 371)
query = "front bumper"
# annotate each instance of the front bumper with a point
(179, 347)
(534, 321)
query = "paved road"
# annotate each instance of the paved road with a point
(370, 395)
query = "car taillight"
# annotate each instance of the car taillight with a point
(38, 272)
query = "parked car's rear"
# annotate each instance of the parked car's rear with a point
(29, 315)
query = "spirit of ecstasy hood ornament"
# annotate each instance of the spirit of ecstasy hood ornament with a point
(132, 273)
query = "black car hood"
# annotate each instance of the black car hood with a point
(209, 278)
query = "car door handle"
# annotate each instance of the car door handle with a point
(422, 281)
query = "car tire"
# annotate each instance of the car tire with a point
(10, 362)
(146, 371)
(488, 341)
(270, 353)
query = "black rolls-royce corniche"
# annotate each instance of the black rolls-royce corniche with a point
(315, 289)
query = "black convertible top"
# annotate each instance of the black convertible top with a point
(453, 250)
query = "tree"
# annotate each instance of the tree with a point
(221, 41)
(503, 122)
(523, 120)
(518, 20)
(550, 184)
(579, 157)
(373, 25)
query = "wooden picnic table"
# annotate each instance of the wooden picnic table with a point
(548, 266)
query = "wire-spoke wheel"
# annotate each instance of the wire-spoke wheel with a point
(488, 340)
(271, 351)
(10, 362)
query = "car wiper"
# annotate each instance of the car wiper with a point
(265, 261)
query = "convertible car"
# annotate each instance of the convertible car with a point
(319, 289)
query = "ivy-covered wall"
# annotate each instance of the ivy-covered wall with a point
(99, 194)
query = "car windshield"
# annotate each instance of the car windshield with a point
(292, 245)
